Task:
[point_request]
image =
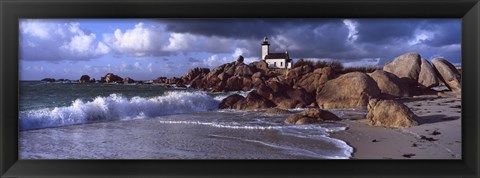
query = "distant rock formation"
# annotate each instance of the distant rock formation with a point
(84, 79)
(111, 78)
(128, 80)
(48, 80)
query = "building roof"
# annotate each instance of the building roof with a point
(276, 56)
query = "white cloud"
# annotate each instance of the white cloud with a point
(142, 40)
(246, 60)
(352, 29)
(362, 62)
(36, 28)
(180, 41)
(44, 40)
(421, 36)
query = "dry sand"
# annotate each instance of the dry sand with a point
(438, 135)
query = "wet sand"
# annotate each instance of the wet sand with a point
(438, 135)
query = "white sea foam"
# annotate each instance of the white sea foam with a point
(117, 107)
(223, 125)
(225, 95)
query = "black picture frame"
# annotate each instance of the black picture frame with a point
(12, 10)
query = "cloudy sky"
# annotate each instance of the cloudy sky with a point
(149, 48)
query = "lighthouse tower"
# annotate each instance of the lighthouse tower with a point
(265, 46)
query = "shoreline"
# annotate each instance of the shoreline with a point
(438, 135)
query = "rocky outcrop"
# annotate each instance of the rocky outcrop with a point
(251, 102)
(195, 72)
(230, 101)
(449, 74)
(407, 67)
(390, 113)
(160, 80)
(242, 70)
(128, 80)
(427, 77)
(389, 84)
(313, 81)
(112, 78)
(48, 80)
(351, 90)
(260, 66)
(84, 79)
(311, 116)
(294, 75)
(239, 60)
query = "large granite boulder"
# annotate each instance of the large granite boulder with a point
(406, 67)
(390, 113)
(311, 116)
(351, 90)
(389, 84)
(449, 74)
(427, 77)
(84, 79)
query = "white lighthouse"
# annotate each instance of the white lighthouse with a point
(265, 46)
(275, 60)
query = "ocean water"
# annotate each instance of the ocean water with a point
(148, 121)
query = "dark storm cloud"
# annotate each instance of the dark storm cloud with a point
(237, 28)
(448, 32)
(385, 30)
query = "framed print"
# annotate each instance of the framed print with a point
(224, 88)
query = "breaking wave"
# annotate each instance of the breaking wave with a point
(117, 107)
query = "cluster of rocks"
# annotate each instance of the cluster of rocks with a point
(108, 78)
(419, 75)
(303, 86)
(232, 76)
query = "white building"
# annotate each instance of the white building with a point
(275, 60)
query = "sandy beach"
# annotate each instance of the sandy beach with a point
(438, 135)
